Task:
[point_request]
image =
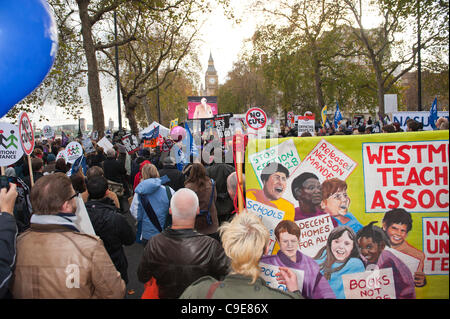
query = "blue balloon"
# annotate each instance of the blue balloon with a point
(28, 46)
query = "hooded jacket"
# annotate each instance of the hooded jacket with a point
(156, 195)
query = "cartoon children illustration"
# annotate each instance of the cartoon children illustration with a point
(12, 139)
(340, 256)
(315, 285)
(372, 242)
(397, 223)
(336, 202)
(307, 190)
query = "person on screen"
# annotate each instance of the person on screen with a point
(202, 110)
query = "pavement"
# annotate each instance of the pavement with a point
(133, 253)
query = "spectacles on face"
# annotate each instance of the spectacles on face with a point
(73, 196)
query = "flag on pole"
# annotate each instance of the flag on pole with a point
(173, 123)
(337, 116)
(324, 114)
(153, 134)
(433, 114)
(64, 139)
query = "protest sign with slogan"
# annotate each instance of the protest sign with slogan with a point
(105, 144)
(26, 133)
(306, 124)
(131, 143)
(375, 284)
(269, 274)
(361, 179)
(48, 132)
(10, 148)
(88, 146)
(435, 238)
(73, 151)
(314, 232)
(290, 119)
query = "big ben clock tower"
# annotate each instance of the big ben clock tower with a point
(211, 78)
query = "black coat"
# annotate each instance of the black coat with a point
(176, 177)
(219, 172)
(114, 170)
(8, 233)
(113, 229)
(177, 258)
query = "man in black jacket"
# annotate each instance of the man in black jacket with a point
(176, 177)
(109, 224)
(180, 255)
(224, 204)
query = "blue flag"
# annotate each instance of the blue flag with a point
(189, 143)
(80, 162)
(433, 114)
(152, 134)
(337, 116)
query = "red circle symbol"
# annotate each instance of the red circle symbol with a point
(256, 118)
(26, 133)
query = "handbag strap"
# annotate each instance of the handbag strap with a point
(212, 289)
(150, 212)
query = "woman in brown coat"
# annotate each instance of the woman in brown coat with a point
(203, 186)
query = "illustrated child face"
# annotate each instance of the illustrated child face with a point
(310, 191)
(370, 249)
(397, 233)
(337, 203)
(275, 186)
(342, 247)
(288, 244)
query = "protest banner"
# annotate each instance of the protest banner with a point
(48, 132)
(270, 217)
(306, 124)
(105, 144)
(380, 172)
(131, 143)
(268, 273)
(290, 119)
(435, 238)
(27, 140)
(10, 148)
(375, 284)
(73, 152)
(419, 116)
(87, 145)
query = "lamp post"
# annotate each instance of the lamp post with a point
(419, 62)
(117, 71)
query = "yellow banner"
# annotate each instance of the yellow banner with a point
(324, 184)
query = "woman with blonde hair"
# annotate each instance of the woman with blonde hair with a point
(245, 239)
(150, 205)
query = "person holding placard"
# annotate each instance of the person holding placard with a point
(372, 242)
(397, 223)
(315, 285)
(340, 256)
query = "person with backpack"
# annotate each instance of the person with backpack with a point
(207, 221)
(150, 205)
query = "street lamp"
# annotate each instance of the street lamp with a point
(117, 70)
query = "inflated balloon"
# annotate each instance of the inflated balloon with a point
(28, 46)
(177, 133)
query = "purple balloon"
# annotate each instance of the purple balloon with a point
(28, 46)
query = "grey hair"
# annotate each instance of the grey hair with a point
(184, 211)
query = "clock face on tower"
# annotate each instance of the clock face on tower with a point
(212, 80)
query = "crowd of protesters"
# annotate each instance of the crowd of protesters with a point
(185, 218)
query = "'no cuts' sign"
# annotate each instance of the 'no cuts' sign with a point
(256, 118)
(26, 133)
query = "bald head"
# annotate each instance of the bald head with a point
(232, 184)
(184, 206)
